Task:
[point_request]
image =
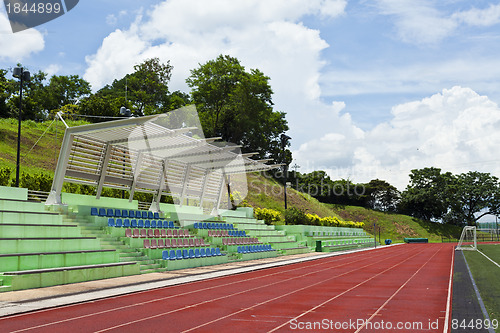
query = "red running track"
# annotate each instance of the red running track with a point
(405, 288)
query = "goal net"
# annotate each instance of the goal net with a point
(468, 239)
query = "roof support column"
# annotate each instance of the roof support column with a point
(185, 184)
(102, 176)
(204, 187)
(54, 197)
(215, 210)
(155, 205)
(136, 175)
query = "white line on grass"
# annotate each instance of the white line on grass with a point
(489, 258)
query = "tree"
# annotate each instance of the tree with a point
(33, 98)
(6, 89)
(148, 86)
(101, 104)
(426, 195)
(64, 90)
(382, 195)
(472, 196)
(237, 106)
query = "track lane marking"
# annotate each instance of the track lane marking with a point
(183, 294)
(308, 286)
(242, 292)
(396, 292)
(346, 291)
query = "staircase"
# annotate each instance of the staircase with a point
(107, 241)
(279, 240)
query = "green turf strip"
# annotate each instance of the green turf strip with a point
(486, 276)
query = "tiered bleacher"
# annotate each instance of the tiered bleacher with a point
(39, 248)
(89, 239)
(329, 239)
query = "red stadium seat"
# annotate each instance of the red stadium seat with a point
(163, 233)
(146, 244)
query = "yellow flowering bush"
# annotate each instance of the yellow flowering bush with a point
(271, 216)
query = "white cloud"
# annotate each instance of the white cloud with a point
(263, 34)
(423, 23)
(417, 22)
(52, 69)
(15, 47)
(454, 130)
(480, 17)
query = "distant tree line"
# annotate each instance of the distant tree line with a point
(430, 195)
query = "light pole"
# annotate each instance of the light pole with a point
(22, 75)
(284, 141)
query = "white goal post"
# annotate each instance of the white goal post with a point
(468, 239)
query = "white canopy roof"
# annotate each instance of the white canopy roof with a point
(156, 154)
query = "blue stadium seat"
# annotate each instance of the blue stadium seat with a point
(164, 255)
(140, 224)
(156, 215)
(102, 211)
(126, 223)
(165, 224)
(217, 251)
(150, 215)
(144, 214)
(214, 252)
(202, 253)
(195, 225)
(171, 224)
(185, 253)
(172, 255)
(239, 249)
(131, 213)
(93, 211)
(197, 253)
(208, 252)
(124, 213)
(138, 214)
(153, 224)
(133, 223)
(118, 213)
(147, 224)
(110, 212)
(118, 223)
(111, 222)
(191, 254)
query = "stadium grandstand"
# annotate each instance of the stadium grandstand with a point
(74, 238)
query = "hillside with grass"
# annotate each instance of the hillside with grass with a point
(41, 142)
(266, 192)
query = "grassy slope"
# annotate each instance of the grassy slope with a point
(266, 192)
(263, 192)
(43, 156)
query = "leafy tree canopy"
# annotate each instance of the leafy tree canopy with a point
(236, 105)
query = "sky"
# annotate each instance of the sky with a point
(371, 88)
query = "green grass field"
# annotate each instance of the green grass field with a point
(486, 274)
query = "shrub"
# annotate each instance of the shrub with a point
(295, 216)
(36, 182)
(271, 216)
(5, 176)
